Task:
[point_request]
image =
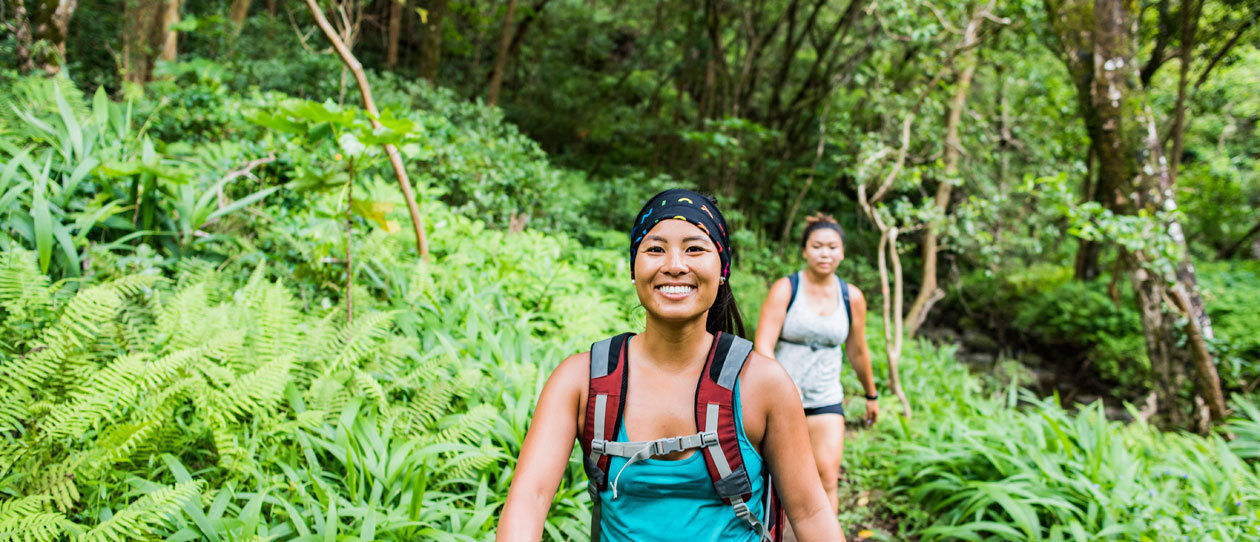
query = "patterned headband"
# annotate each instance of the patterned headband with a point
(687, 205)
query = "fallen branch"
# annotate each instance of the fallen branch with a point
(243, 172)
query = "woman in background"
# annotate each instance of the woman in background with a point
(808, 322)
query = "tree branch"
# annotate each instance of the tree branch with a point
(395, 158)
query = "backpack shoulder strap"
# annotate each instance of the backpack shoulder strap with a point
(604, 408)
(715, 412)
(844, 294)
(795, 280)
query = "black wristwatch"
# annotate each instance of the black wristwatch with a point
(872, 397)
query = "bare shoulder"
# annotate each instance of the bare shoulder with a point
(573, 373)
(780, 292)
(783, 286)
(855, 295)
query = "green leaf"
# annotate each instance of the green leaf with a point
(350, 144)
(100, 109)
(42, 216)
(72, 123)
(241, 203)
(10, 169)
(62, 234)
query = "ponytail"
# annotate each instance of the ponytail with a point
(724, 314)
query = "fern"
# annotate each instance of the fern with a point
(356, 341)
(25, 294)
(26, 520)
(470, 427)
(137, 521)
(58, 483)
(105, 394)
(259, 391)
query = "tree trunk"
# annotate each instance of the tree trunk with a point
(500, 61)
(1086, 267)
(237, 14)
(929, 293)
(170, 38)
(431, 40)
(49, 23)
(22, 35)
(143, 38)
(1133, 179)
(395, 30)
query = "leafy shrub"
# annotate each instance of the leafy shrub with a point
(1060, 318)
(978, 466)
(262, 418)
(1231, 291)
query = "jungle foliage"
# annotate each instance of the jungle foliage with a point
(214, 326)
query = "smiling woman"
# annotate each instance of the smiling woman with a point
(686, 433)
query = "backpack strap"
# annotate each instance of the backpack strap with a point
(795, 280)
(604, 408)
(844, 294)
(715, 413)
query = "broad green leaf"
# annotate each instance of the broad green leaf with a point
(74, 131)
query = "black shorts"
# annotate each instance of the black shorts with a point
(829, 409)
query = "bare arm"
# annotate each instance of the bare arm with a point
(859, 353)
(773, 312)
(786, 447)
(545, 453)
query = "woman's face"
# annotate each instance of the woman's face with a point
(824, 250)
(677, 271)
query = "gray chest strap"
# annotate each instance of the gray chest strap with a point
(637, 451)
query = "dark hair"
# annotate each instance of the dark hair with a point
(817, 222)
(724, 314)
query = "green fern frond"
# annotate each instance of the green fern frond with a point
(120, 441)
(161, 370)
(134, 285)
(157, 405)
(365, 385)
(108, 393)
(182, 317)
(470, 427)
(464, 464)
(136, 330)
(58, 483)
(356, 341)
(14, 408)
(26, 520)
(25, 293)
(276, 329)
(260, 390)
(11, 452)
(137, 521)
(193, 270)
(82, 318)
(427, 407)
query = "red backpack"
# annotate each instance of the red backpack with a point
(715, 417)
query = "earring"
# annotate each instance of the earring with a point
(721, 280)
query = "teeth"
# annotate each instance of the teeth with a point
(677, 289)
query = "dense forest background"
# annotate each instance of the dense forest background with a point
(296, 270)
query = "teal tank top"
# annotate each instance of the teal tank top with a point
(659, 500)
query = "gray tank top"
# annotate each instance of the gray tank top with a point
(811, 348)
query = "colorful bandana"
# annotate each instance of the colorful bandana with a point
(686, 205)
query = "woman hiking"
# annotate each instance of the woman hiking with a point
(808, 322)
(682, 424)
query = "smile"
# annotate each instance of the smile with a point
(676, 290)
